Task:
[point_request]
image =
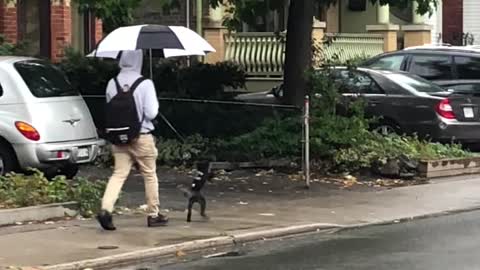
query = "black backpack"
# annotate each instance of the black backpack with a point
(122, 125)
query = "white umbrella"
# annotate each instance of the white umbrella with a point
(171, 39)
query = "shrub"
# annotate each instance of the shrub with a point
(175, 152)
(7, 48)
(20, 190)
(90, 75)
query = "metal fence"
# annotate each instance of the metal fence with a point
(209, 118)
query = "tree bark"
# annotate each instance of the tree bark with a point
(298, 55)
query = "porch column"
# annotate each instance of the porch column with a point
(318, 33)
(385, 28)
(214, 33)
(8, 20)
(61, 27)
(418, 33)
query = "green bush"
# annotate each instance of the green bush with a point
(7, 48)
(20, 190)
(173, 79)
(88, 74)
(175, 152)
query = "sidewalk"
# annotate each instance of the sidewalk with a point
(233, 211)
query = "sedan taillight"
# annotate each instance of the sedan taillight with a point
(444, 109)
(27, 131)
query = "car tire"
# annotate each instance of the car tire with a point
(8, 159)
(69, 171)
(387, 128)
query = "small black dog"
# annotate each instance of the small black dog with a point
(204, 174)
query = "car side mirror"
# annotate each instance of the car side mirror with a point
(1, 91)
(278, 91)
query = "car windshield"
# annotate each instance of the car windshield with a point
(414, 83)
(44, 79)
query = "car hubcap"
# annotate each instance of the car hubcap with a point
(385, 130)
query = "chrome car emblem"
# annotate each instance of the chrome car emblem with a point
(72, 122)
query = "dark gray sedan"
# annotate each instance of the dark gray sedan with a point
(405, 103)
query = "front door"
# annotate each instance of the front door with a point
(34, 28)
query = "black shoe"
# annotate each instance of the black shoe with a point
(158, 221)
(106, 221)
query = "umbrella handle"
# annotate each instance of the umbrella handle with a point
(151, 64)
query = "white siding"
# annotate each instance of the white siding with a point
(471, 18)
(436, 22)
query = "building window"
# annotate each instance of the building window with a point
(34, 26)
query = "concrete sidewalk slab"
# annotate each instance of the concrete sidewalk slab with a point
(65, 242)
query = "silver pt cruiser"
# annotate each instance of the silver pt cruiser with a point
(44, 122)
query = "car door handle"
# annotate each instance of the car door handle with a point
(374, 102)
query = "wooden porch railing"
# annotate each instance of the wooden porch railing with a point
(345, 46)
(263, 54)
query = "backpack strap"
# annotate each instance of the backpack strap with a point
(137, 83)
(117, 84)
(132, 88)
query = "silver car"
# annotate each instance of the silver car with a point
(44, 122)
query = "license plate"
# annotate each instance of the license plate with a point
(468, 112)
(83, 153)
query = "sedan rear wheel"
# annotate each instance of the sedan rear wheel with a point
(387, 128)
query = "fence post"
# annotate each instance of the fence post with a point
(306, 132)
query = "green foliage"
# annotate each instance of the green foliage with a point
(199, 81)
(247, 10)
(7, 48)
(275, 138)
(378, 149)
(20, 190)
(88, 194)
(175, 152)
(89, 75)
(113, 13)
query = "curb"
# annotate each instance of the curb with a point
(37, 213)
(129, 258)
(142, 256)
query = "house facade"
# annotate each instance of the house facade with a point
(47, 27)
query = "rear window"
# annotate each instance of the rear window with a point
(468, 67)
(393, 62)
(414, 83)
(44, 79)
(431, 67)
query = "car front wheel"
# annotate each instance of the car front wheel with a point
(8, 160)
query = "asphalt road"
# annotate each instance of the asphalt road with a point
(449, 242)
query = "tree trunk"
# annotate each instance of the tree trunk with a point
(298, 55)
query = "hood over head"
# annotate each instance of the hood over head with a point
(131, 61)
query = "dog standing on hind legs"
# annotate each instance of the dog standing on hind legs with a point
(195, 195)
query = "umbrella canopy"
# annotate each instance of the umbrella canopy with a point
(162, 53)
(172, 40)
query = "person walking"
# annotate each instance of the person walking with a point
(131, 107)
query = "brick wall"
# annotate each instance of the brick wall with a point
(61, 28)
(98, 30)
(8, 21)
(452, 20)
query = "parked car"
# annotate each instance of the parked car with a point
(406, 103)
(44, 122)
(447, 66)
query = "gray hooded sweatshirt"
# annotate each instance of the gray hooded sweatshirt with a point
(145, 94)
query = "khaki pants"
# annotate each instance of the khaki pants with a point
(144, 152)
